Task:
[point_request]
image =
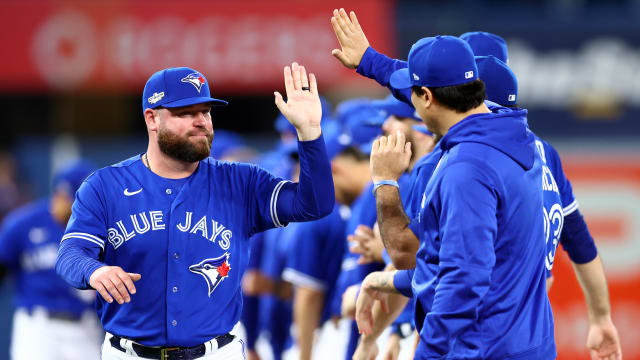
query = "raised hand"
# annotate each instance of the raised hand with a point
(390, 157)
(352, 40)
(113, 282)
(302, 108)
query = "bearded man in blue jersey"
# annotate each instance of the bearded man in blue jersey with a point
(178, 222)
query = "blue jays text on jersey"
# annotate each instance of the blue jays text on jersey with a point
(188, 238)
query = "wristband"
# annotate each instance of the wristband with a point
(377, 184)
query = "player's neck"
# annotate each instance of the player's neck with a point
(167, 167)
(450, 118)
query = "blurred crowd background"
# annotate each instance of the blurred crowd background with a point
(72, 73)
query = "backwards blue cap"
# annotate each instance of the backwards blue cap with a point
(69, 178)
(176, 87)
(436, 62)
(485, 44)
(500, 82)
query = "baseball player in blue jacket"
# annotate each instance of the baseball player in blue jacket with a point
(177, 222)
(52, 320)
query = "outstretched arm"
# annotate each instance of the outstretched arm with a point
(603, 340)
(313, 197)
(373, 317)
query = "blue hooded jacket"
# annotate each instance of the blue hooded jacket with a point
(480, 273)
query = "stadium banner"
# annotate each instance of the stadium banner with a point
(608, 190)
(240, 46)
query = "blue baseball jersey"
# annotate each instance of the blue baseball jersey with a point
(363, 211)
(480, 273)
(315, 255)
(189, 238)
(29, 240)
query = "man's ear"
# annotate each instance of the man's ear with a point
(427, 96)
(151, 118)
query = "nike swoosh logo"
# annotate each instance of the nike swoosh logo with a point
(126, 192)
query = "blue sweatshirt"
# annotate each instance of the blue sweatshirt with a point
(480, 271)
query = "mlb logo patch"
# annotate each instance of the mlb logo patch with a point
(512, 97)
(468, 74)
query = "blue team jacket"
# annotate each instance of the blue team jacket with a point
(480, 273)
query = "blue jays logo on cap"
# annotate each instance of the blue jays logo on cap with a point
(194, 79)
(177, 87)
(436, 62)
(213, 270)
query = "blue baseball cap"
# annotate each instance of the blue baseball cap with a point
(500, 82)
(392, 106)
(176, 87)
(69, 178)
(359, 118)
(485, 44)
(436, 62)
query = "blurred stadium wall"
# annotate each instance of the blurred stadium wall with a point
(72, 72)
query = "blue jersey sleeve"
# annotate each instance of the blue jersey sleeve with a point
(83, 243)
(379, 67)
(310, 199)
(576, 239)
(315, 255)
(468, 203)
(402, 282)
(11, 241)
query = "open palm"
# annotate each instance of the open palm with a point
(302, 108)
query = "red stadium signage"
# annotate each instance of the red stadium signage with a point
(608, 190)
(241, 46)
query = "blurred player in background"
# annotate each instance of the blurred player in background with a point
(52, 320)
(188, 272)
(602, 340)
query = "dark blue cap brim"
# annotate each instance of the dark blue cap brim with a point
(193, 101)
(401, 79)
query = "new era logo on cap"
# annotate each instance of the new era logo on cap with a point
(416, 77)
(468, 74)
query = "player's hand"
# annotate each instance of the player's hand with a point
(390, 157)
(393, 347)
(367, 349)
(348, 308)
(603, 340)
(351, 38)
(364, 304)
(366, 244)
(302, 108)
(113, 282)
